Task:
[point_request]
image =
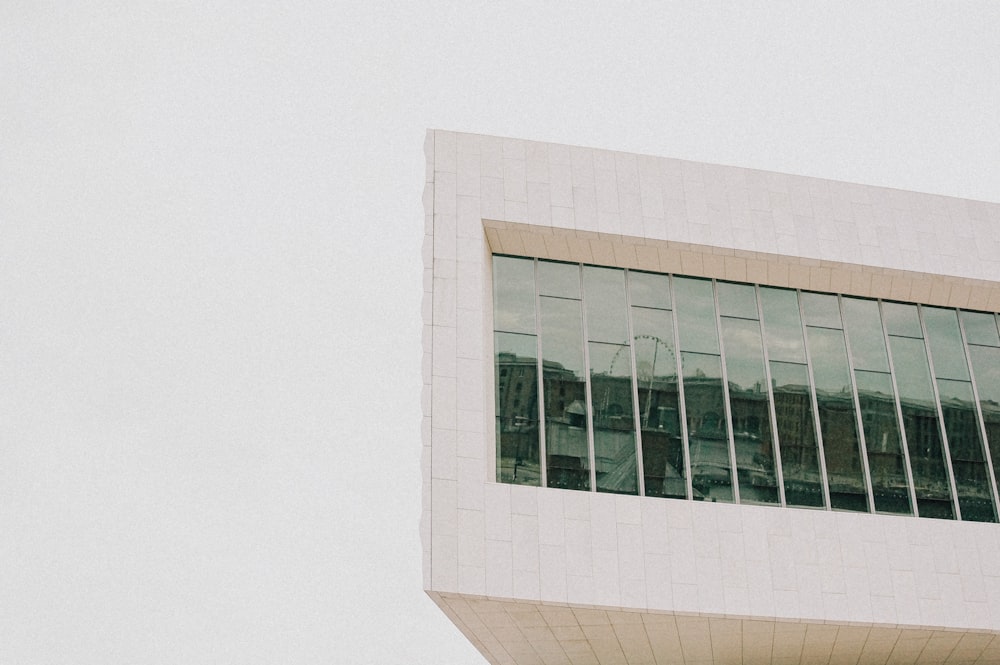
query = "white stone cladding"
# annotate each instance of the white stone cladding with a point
(484, 540)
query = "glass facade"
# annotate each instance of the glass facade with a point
(630, 382)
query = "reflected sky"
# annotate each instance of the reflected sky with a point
(738, 300)
(696, 315)
(821, 309)
(648, 289)
(980, 328)
(513, 294)
(559, 279)
(864, 329)
(946, 344)
(605, 300)
(782, 325)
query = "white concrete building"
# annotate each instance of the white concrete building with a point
(766, 428)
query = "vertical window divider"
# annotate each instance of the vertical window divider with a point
(635, 389)
(911, 484)
(979, 415)
(587, 387)
(940, 412)
(734, 476)
(779, 472)
(680, 392)
(863, 442)
(815, 404)
(543, 459)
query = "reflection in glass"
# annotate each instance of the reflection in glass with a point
(708, 436)
(559, 279)
(517, 408)
(696, 315)
(659, 410)
(902, 320)
(796, 435)
(614, 419)
(514, 294)
(782, 325)
(751, 415)
(965, 443)
(821, 309)
(564, 385)
(880, 423)
(864, 328)
(738, 300)
(604, 290)
(647, 289)
(986, 368)
(837, 420)
(945, 341)
(921, 427)
(980, 328)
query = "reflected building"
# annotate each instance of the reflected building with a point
(643, 446)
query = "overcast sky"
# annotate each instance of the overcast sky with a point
(210, 232)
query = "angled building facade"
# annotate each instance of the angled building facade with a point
(677, 412)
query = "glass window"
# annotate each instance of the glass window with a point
(864, 328)
(559, 279)
(738, 300)
(986, 368)
(604, 297)
(886, 460)
(696, 315)
(782, 325)
(614, 419)
(902, 320)
(707, 383)
(708, 434)
(921, 427)
(647, 289)
(946, 344)
(751, 413)
(837, 419)
(821, 309)
(965, 443)
(659, 403)
(514, 294)
(980, 328)
(517, 408)
(796, 435)
(565, 394)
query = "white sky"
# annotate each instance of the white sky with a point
(210, 231)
